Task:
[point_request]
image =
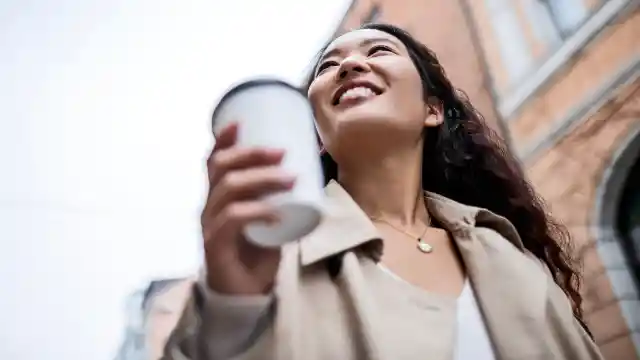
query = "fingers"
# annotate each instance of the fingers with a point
(246, 184)
(239, 178)
(229, 159)
(223, 229)
(227, 137)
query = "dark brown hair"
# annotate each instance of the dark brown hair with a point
(466, 161)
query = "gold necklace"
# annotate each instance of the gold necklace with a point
(422, 245)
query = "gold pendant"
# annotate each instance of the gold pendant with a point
(424, 247)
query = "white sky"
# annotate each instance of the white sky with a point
(104, 126)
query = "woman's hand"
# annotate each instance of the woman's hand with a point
(238, 178)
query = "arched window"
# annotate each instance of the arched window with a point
(628, 220)
(618, 229)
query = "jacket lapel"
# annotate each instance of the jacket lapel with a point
(510, 287)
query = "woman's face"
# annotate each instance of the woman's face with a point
(366, 88)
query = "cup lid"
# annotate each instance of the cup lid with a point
(254, 82)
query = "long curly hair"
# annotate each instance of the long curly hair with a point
(466, 161)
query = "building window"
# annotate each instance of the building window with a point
(556, 20)
(527, 30)
(617, 230)
(567, 15)
(373, 15)
(512, 44)
(530, 40)
(543, 25)
(628, 222)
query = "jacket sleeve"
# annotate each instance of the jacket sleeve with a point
(217, 327)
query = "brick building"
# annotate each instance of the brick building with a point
(559, 79)
(151, 314)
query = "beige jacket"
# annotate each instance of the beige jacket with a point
(360, 312)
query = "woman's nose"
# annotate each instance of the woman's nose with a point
(351, 66)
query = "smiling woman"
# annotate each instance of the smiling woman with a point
(434, 244)
(364, 107)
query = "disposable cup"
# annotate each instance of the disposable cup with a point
(274, 114)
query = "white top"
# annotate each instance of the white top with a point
(472, 340)
(236, 318)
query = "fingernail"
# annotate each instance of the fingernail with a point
(232, 126)
(290, 180)
(274, 218)
(275, 152)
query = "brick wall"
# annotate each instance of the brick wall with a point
(612, 50)
(567, 176)
(164, 311)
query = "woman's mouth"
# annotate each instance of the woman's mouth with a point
(357, 93)
(354, 95)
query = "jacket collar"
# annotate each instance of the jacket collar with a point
(345, 226)
(511, 291)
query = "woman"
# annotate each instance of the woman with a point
(436, 246)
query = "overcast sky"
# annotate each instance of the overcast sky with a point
(104, 127)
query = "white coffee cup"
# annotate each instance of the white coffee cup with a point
(274, 114)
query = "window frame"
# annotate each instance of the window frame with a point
(608, 241)
(515, 97)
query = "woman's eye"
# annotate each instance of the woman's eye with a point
(325, 65)
(378, 48)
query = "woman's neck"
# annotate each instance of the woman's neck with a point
(389, 189)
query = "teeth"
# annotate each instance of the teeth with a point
(356, 93)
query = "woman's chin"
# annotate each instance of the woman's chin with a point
(362, 114)
(365, 124)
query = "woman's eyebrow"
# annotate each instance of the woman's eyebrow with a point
(365, 42)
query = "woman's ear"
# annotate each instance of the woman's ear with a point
(434, 112)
